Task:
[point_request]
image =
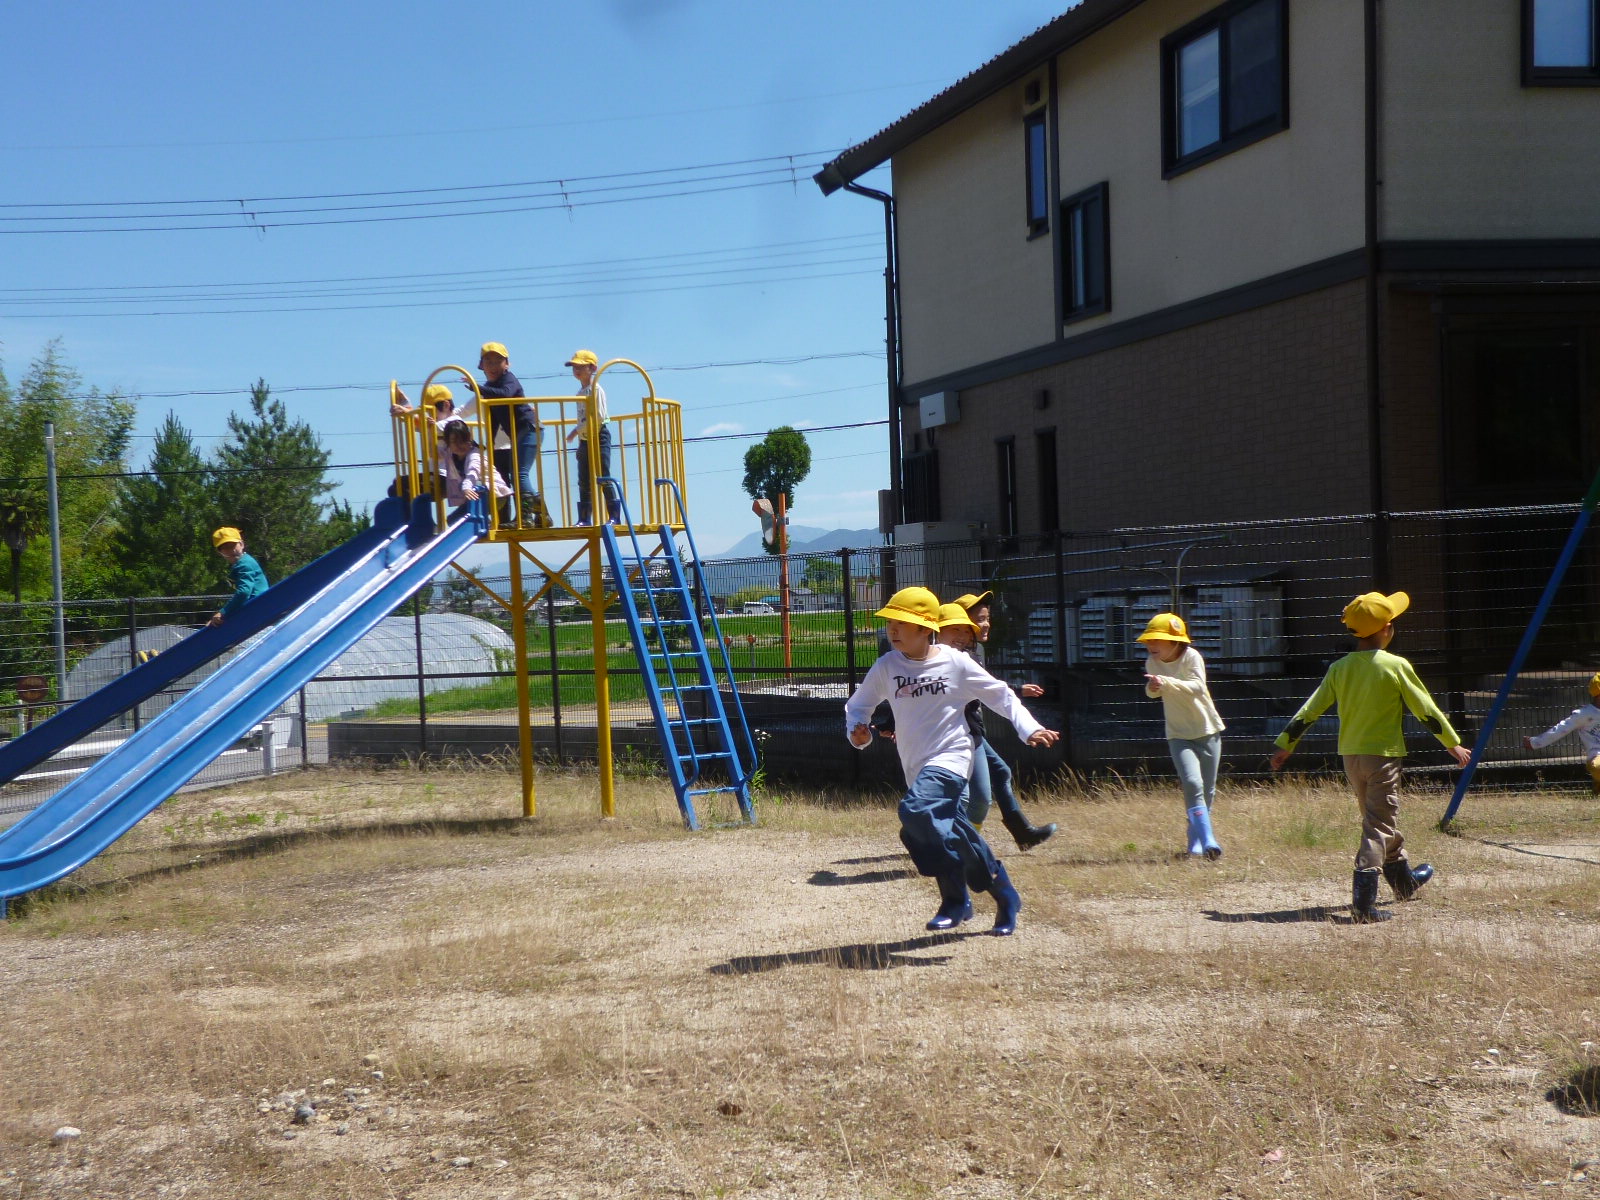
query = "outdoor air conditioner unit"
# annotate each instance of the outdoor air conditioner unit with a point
(921, 557)
(939, 408)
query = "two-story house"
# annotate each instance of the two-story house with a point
(1177, 261)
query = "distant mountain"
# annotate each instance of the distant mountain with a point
(804, 539)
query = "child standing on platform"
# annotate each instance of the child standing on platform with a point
(1370, 685)
(1585, 722)
(927, 686)
(1175, 674)
(244, 572)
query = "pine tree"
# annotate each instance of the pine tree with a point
(270, 481)
(162, 545)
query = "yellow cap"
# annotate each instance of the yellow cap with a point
(1594, 685)
(583, 358)
(954, 614)
(1165, 627)
(226, 534)
(434, 393)
(970, 601)
(1371, 611)
(914, 605)
(494, 348)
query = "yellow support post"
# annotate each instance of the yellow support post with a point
(519, 640)
(602, 683)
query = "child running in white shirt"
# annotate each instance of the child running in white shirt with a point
(1175, 674)
(927, 687)
(1585, 722)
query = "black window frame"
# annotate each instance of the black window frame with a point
(1037, 218)
(1534, 76)
(1047, 465)
(1006, 480)
(1172, 162)
(1099, 194)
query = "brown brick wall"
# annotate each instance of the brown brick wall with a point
(1261, 414)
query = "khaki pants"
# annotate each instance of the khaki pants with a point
(1376, 781)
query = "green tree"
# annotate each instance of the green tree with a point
(164, 517)
(91, 436)
(271, 477)
(774, 467)
(823, 575)
(343, 523)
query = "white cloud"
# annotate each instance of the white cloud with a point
(721, 427)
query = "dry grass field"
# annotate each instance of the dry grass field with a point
(383, 985)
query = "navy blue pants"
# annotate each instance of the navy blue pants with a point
(938, 836)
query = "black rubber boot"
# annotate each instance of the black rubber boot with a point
(1364, 898)
(955, 905)
(1406, 879)
(1026, 834)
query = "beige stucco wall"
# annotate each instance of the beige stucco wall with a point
(975, 288)
(1285, 201)
(1467, 151)
(973, 285)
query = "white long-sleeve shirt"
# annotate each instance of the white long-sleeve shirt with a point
(927, 697)
(1585, 722)
(1185, 699)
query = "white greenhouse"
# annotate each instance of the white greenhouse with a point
(382, 665)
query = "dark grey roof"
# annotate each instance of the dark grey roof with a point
(1010, 65)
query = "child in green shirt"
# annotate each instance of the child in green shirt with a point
(1369, 686)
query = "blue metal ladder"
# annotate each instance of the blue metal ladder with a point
(705, 738)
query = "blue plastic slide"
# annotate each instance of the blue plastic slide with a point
(99, 806)
(78, 720)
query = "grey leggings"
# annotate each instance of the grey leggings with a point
(1196, 760)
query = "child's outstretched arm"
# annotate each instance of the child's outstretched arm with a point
(1423, 708)
(977, 684)
(1321, 701)
(1579, 719)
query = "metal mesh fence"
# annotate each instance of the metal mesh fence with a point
(1262, 600)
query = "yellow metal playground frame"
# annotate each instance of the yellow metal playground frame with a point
(646, 456)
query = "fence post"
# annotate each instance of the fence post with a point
(422, 682)
(133, 651)
(305, 732)
(555, 674)
(1062, 656)
(850, 649)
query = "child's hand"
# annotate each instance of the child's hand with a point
(1044, 737)
(1153, 682)
(216, 619)
(1461, 754)
(1030, 691)
(470, 492)
(1527, 743)
(861, 736)
(1278, 759)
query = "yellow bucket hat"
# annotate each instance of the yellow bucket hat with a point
(954, 614)
(971, 601)
(226, 534)
(434, 393)
(914, 605)
(1371, 611)
(1594, 685)
(1165, 627)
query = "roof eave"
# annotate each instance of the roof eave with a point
(1026, 56)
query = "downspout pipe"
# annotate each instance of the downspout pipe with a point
(891, 321)
(1372, 182)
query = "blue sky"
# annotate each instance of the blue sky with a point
(753, 300)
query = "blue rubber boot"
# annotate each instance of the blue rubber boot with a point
(1201, 840)
(1363, 897)
(955, 906)
(1406, 879)
(1007, 904)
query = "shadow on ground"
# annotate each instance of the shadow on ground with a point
(1339, 915)
(880, 956)
(1579, 1094)
(203, 856)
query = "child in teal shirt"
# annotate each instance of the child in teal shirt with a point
(244, 572)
